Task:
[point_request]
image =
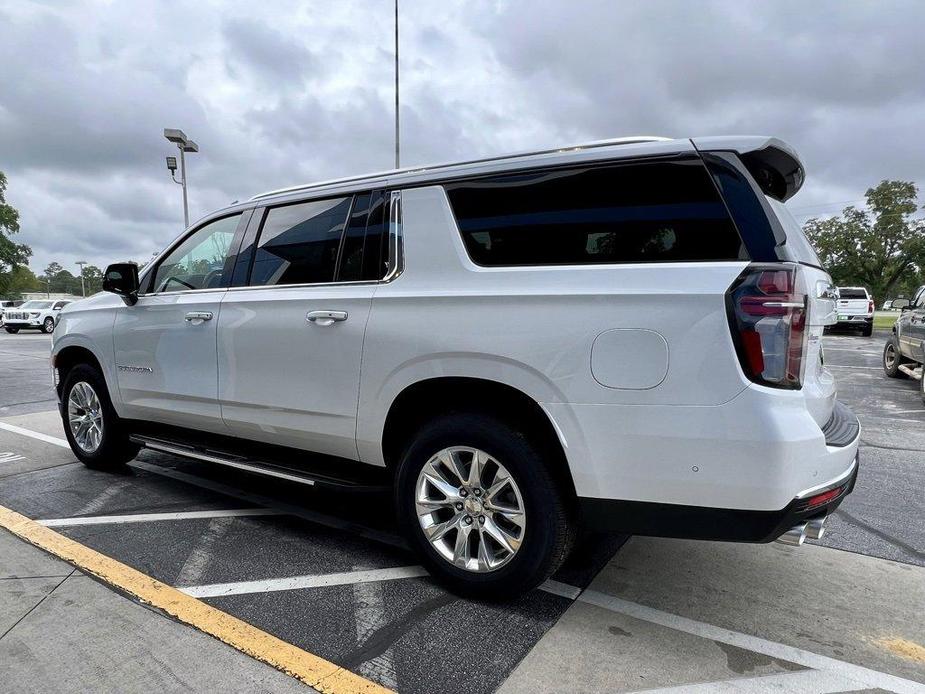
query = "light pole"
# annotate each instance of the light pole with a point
(80, 264)
(184, 144)
(397, 131)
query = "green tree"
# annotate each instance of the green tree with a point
(12, 255)
(882, 249)
(93, 279)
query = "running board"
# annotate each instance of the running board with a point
(912, 373)
(259, 467)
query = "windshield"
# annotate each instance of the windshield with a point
(797, 247)
(36, 304)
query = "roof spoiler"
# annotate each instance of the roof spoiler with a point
(773, 164)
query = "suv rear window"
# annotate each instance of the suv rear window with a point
(626, 213)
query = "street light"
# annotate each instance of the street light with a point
(184, 144)
(80, 264)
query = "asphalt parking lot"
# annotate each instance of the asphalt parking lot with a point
(331, 577)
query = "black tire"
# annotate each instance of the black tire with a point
(48, 325)
(549, 527)
(867, 330)
(892, 359)
(114, 449)
(922, 385)
(10, 329)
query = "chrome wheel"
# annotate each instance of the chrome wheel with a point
(889, 356)
(85, 417)
(470, 509)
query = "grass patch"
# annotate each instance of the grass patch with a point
(883, 320)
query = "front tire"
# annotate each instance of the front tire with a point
(11, 330)
(479, 503)
(48, 326)
(93, 429)
(892, 359)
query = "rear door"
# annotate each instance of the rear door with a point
(165, 344)
(290, 338)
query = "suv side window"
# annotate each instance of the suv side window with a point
(59, 305)
(199, 261)
(361, 257)
(656, 211)
(298, 243)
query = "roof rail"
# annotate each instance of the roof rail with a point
(501, 157)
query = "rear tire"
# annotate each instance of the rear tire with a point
(104, 445)
(892, 359)
(867, 330)
(544, 537)
(11, 330)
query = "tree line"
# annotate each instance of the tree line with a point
(881, 248)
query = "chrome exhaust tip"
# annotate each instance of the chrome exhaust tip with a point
(796, 536)
(815, 529)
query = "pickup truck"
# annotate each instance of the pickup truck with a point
(855, 309)
(904, 352)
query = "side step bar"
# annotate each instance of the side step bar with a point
(258, 467)
(911, 373)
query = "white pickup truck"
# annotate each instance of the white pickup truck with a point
(855, 309)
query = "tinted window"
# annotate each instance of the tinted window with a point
(199, 261)
(851, 293)
(646, 212)
(298, 243)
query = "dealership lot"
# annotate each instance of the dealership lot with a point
(330, 576)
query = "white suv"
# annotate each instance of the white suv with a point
(33, 315)
(624, 335)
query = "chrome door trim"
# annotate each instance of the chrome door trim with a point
(187, 453)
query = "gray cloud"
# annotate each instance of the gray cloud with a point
(280, 93)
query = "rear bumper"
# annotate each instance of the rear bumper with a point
(855, 320)
(698, 523)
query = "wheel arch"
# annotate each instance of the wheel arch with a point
(425, 399)
(72, 355)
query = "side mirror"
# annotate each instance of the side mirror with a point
(122, 279)
(901, 304)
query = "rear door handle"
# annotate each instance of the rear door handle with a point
(325, 317)
(200, 316)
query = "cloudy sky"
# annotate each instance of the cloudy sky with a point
(279, 93)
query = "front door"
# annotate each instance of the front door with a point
(290, 342)
(165, 344)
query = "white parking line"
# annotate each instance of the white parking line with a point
(860, 675)
(150, 517)
(299, 582)
(54, 440)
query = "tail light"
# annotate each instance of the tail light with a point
(767, 316)
(870, 306)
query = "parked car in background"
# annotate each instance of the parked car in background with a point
(624, 335)
(7, 304)
(855, 309)
(33, 315)
(904, 352)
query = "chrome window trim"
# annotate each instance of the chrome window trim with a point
(396, 259)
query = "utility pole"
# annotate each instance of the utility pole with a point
(83, 288)
(397, 130)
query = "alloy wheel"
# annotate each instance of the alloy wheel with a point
(470, 509)
(85, 417)
(889, 356)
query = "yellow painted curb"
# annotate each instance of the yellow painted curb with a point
(311, 669)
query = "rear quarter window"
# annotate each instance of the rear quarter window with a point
(625, 213)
